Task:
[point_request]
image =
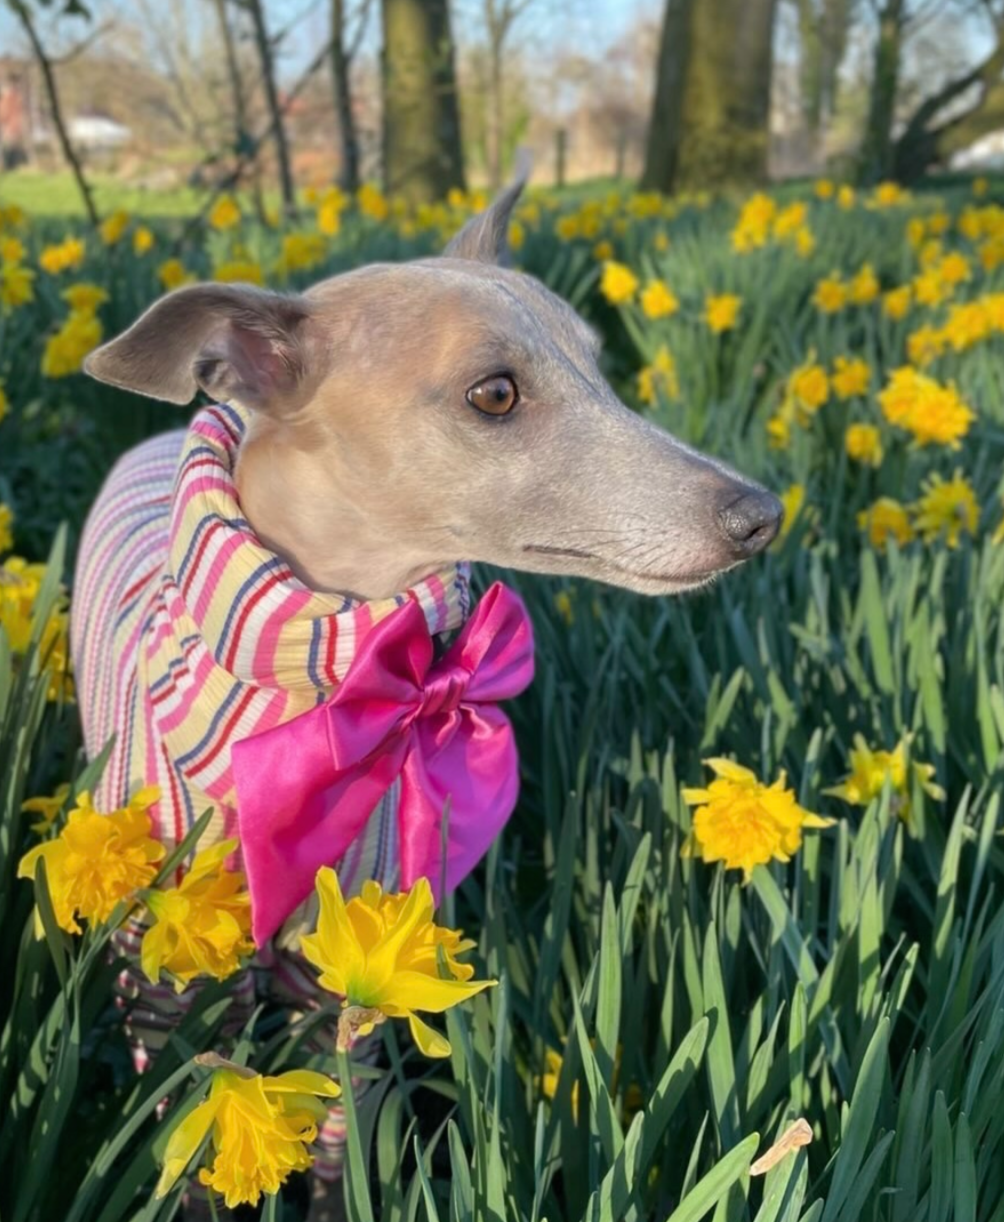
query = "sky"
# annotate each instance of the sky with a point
(590, 25)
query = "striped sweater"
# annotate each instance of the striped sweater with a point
(189, 635)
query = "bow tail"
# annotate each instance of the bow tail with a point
(472, 776)
(297, 812)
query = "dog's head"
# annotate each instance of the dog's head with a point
(405, 415)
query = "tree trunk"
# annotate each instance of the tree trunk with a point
(421, 119)
(924, 143)
(242, 136)
(254, 7)
(666, 125)
(823, 28)
(710, 121)
(56, 110)
(876, 160)
(497, 112)
(340, 61)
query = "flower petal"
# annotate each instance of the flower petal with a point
(185, 1139)
(431, 1043)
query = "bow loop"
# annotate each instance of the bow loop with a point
(306, 789)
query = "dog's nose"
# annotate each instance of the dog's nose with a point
(751, 521)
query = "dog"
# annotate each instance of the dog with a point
(373, 429)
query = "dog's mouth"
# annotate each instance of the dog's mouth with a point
(649, 580)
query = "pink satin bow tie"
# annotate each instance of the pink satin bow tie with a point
(306, 789)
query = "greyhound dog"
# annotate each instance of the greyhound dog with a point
(394, 418)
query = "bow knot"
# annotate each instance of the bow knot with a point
(445, 688)
(306, 788)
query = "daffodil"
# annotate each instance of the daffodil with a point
(886, 519)
(84, 298)
(225, 213)
(245, 271)
(743, 823)
(946, 509)
(15, 286)
(381, 953)
(47, 808)
(830, 295)
(618, 284)
(63, 256)
(933, 413)
(863, 443)
(260, 1128)
(66, 349)
(6, 528)
(896, 302)
(114, 227)
(372, 202)
(793, 501)
(659, 378)
(851, 376)
(97, 860)
(658, 300)
(172, 274)
(871, 770)
(721, 312)
(142, 240)
(864, 287)
(203, 926)
(754, 224)
(20, 583)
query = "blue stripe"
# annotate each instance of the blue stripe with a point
(172, 666)
(315, 649)
(261, 571)
(214, 725)
(235, 523)
(232, 416)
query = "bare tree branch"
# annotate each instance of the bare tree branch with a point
(20, 10)
(254, 148)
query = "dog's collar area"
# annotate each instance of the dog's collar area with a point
(230, 584)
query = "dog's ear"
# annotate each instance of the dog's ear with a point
(237, 343)
(485, 237)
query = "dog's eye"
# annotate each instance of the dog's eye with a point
(495, 396)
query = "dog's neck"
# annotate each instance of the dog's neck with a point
(330, 543)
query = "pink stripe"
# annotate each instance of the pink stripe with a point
(217, 567)
(264, 663)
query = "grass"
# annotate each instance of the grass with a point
(658, 1022)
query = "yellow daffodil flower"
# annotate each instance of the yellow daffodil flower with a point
(47, 808)
(721, 311)
(863, 443)
(260, 1129)
(97, 859)
(618, 284)
(886, 519)
(380, 952)
(743, 823)
(203, 926)
(946, 509)
(870, 770)
(225, 213)
(850, 378)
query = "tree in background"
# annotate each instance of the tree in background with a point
(421, 115)
(67, 8)
(877, 154)
(257, 14)
(962, 108)
(499, 18)
(824, 28)
(343, 51)
(710, 118)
